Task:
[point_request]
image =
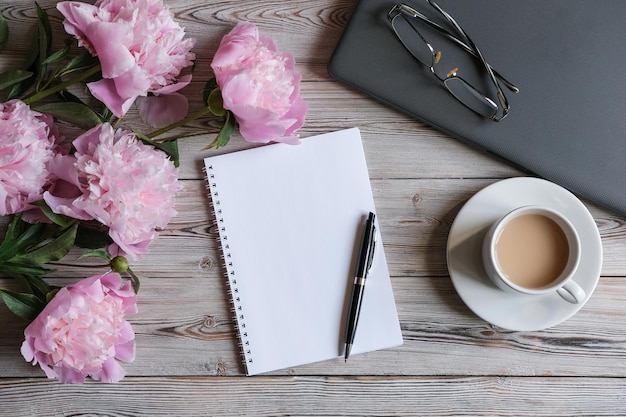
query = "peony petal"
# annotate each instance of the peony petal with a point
(63, 168)
(34, 216)
(111, 371)
(132, 83)
(133, 250)
(78, 16)
(259, 125)
(126, 334)
(66, 375)
(91, 288)
(163, 110)
(228, 54)
(172, 88)
(50, 372)
(105, 91)
(61, 305)
(85, 142)
(125, 351)
(240, 42)
(111, 281)
(65, 206)
(110, 41)
(27, 351)
(240, 90)
(297, 112)
(245, 30)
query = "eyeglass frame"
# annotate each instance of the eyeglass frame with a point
(403, 10)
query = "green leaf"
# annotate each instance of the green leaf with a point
(35, 284)
(14, 229)
(68, 97)
(97, 253)
(225, 132)
(44, 33)
(80, 62)
(18, 80)
(216, 102)
(26, 306)
(12, 77)
(88, 238)
(17, 89)
(19, 268)
(23, 236)
(170, 147)
(208, 89)
(51, 294)
(51, 251)
(57, 219)
(135, 280)
(32, 53)
(57, 56)
(39, 286)
(78, 114)
(32, 235)
(106, 114)
(4, 32)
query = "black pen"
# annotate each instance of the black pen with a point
(366, 256)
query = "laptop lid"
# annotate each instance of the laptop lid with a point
(568, 121)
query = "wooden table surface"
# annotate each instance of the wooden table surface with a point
(451, 363)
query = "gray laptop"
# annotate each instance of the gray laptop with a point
(567, 57)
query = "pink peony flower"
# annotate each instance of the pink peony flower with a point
(28, 142)
(82, 331)
(140, 47)
(259, 85)
(118, 181)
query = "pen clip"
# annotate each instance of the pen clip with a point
(366, 252)
(370, 255)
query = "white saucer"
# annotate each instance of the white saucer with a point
(518, 311)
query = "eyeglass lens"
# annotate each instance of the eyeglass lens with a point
(412, 40)
(469, 96)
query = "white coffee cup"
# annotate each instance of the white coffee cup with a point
(534, 250)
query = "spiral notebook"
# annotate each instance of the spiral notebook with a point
(290, 218)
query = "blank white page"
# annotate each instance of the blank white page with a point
(290, 219)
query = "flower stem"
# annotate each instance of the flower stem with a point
(179, 123)
(94, 266)
(62, 86)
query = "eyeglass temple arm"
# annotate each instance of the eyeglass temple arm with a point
(474, 49)
(460, 43)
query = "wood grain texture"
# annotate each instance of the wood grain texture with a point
(452, 363)
(324, 396)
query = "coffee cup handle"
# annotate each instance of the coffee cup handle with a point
(572, 292)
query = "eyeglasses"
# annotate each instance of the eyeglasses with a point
(404, 19)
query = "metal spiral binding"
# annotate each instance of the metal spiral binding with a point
(226, 256)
